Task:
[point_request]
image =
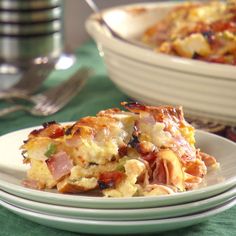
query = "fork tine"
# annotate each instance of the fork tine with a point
(78, 76)
(66, 94)
(51, 95)
(55, 99)
(33, 78)
(70, 90)
(62, 100)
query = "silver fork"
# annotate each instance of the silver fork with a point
(31, 80)
(53, 99)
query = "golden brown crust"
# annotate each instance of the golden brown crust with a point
(66, 186)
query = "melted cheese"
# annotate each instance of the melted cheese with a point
(99, 153)
(105, 144)
(154, 133)
(195, 43)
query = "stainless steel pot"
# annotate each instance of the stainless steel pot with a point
(30, 29)
(20, 17)
(27, 5)
(26, 48)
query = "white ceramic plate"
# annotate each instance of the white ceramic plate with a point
(117, 227)
(120, 214)
(12, 172)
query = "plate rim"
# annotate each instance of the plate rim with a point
(79, 225)
(116, 214)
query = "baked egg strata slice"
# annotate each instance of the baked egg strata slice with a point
(143, 151)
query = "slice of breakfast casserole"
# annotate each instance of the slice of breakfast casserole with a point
(143, 151)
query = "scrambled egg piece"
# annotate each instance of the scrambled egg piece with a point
(195, 43)
(128, 187)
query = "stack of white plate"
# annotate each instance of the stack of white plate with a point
(93, 214)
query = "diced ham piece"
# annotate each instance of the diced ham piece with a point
(59, 165)
(208, 159)
(159, 175)
(34, 184)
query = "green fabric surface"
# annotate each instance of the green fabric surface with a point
(99, 93)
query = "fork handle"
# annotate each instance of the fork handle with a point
(14, 94)
(9, 110)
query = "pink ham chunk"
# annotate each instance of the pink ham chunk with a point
(59, 165)
(34, 184)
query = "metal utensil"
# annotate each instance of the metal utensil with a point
(16, 50)
(96, 10)
(53, 99)
(31, 80)
(29, 5)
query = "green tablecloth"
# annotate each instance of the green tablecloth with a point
(99, 93)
